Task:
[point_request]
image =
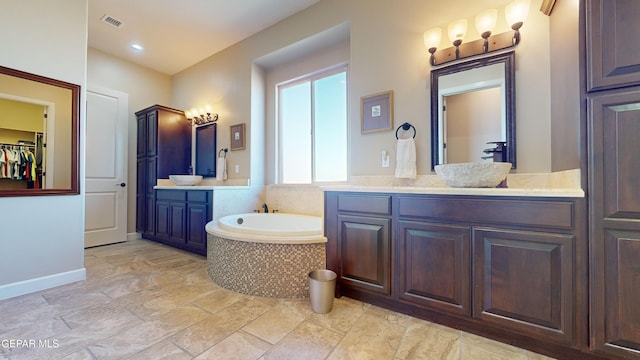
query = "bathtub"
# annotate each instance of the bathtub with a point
(266, 255)
(269, 228)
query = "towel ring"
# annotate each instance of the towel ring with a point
(225, 152)
(406, 126)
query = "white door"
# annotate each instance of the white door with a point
(106, 167)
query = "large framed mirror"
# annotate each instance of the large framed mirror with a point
(39, 135)
(473, 111)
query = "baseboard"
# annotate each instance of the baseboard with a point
(133, 236)
(41, 283)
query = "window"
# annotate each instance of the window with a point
(313, 128)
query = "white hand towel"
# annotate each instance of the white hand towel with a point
(221, 169)
(406, 159)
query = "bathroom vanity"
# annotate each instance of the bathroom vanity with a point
(509, 267)
(181, 217)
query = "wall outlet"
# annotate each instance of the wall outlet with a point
(237, 169)
(385, 159)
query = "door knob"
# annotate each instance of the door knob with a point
(121, 184)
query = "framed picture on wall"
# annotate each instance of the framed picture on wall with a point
(376, 112)
(238, 137)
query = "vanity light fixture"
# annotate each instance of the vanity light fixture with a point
(202, 116)
(457, 30)
(515, 14)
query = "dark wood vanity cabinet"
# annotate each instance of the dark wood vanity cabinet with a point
(503, 267)
(163, 149)
(613, 117)
(613, 58)
(181, 217)
(362, 252)
(523, 281)
(433, 266)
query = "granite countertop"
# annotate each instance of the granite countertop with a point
(200, 187)
(540, 192)
(558, 184)
(206, 184)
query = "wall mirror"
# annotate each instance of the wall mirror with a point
(472, 108)
(206, 150)
(39, 134)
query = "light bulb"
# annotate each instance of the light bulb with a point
(457, 30)
(516, 12)
(432, 38)
(486, 21)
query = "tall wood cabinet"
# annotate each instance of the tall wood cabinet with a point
(613, 108)
(163, 149)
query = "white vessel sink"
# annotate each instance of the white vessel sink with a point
(185, 180)
(473, 175)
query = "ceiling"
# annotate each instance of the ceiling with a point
(177, 34)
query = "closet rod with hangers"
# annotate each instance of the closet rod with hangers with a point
(23, 145)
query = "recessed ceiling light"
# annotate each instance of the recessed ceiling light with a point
(137, 46)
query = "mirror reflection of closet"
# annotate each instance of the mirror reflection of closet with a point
(53, 140)
(206, 150)
(23, 129)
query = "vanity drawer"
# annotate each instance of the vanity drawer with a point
(176, 195)
(365, 203)
(198, 195)
(531, 213)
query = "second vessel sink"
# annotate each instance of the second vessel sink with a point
(473, 175)
(186, 180)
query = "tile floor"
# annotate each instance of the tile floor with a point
(142, 300)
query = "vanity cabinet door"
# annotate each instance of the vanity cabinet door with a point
(199, 213)
(614, 233)
(433, 269)
(613, 59)
(163, 218)
(364, 246)
(523, 282)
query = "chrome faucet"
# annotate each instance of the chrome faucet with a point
(265, 207)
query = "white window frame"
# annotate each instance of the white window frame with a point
(296, 81)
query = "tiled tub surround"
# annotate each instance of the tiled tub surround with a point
(263, 269)
(267, 255)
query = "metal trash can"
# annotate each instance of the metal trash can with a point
(322, 287)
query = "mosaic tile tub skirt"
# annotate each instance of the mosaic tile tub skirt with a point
(263, 269)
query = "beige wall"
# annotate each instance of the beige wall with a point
(145, 87)
(43, 236)
(386, 53)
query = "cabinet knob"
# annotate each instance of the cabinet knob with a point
(121, 184)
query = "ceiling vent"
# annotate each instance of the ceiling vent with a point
(112, 21)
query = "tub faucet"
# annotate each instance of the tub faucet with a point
(265, 207)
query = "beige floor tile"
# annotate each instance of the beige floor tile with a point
(370, 338)
(218, 300)
(171, 300)
(424, 340)
(141, 336)
(164, 350)
(343, 315)
(307, 341)
(143, 300)
(82, 354)
(279, 320)
(240, 345)
(474, 345)
(213, 329)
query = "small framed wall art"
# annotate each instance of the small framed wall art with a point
(376, 112)
(237, 137)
